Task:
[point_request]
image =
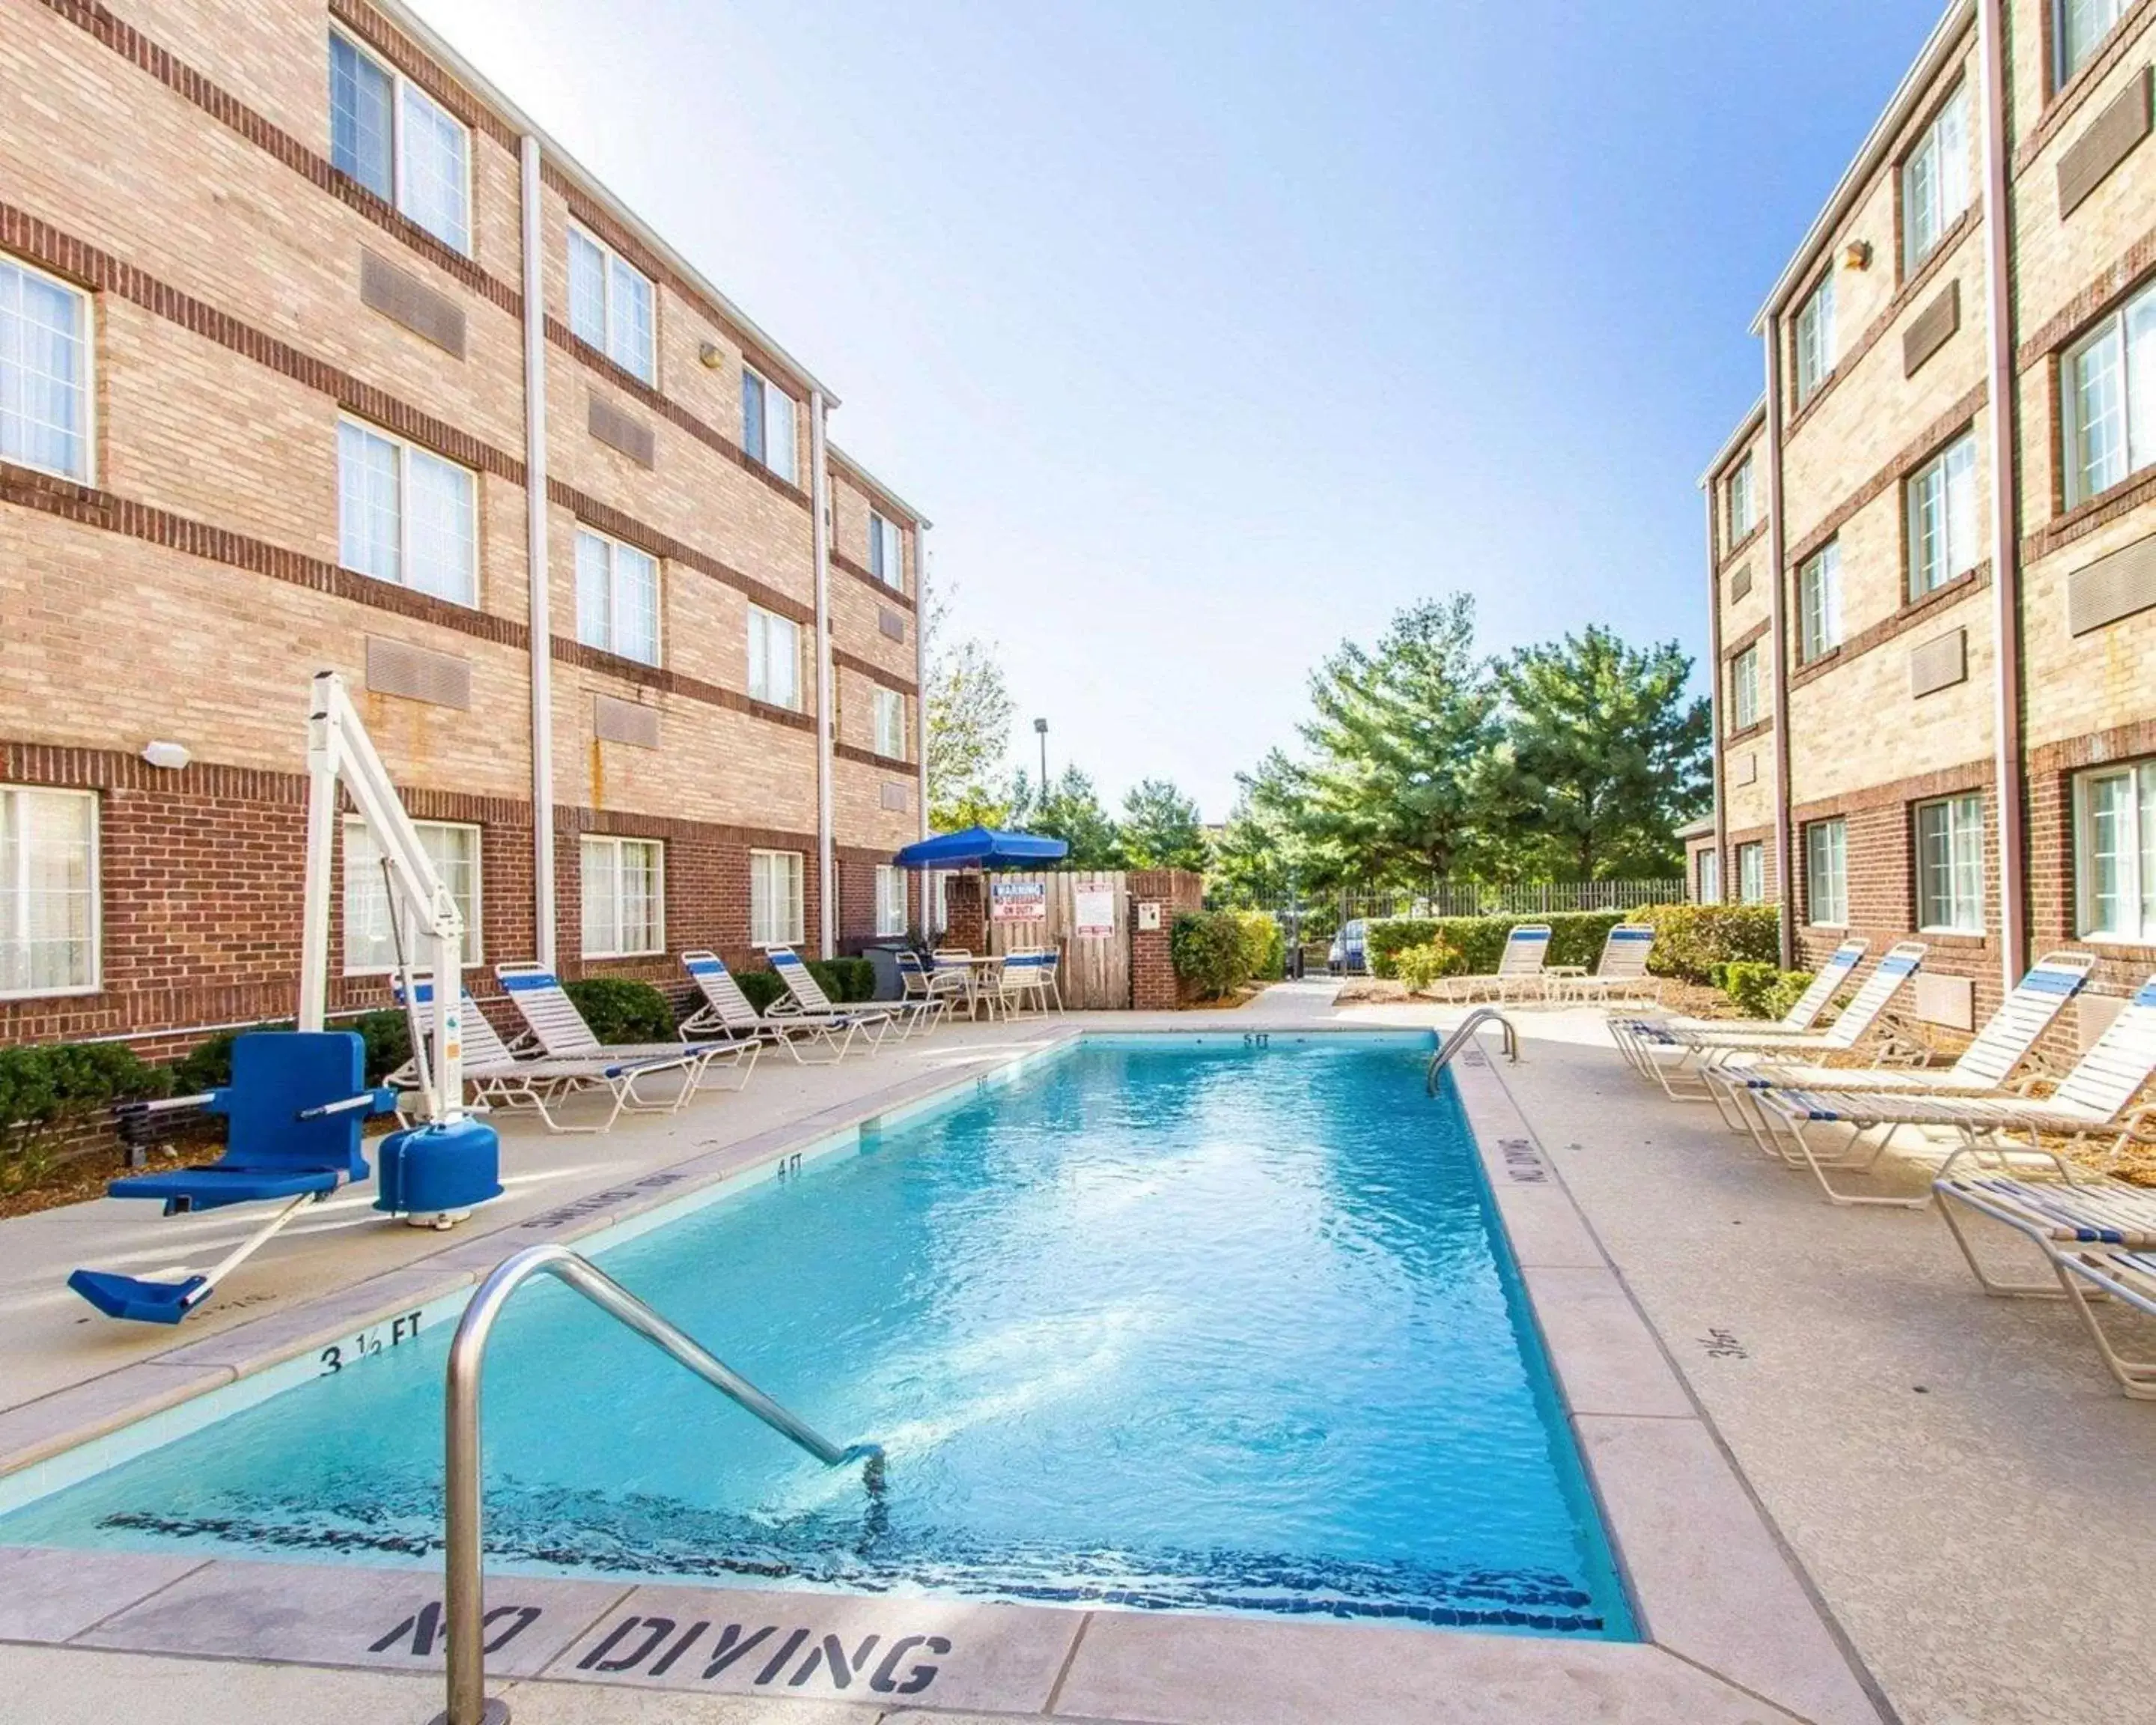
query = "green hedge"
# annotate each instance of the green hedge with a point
(387, 1037)
(1211, 953)
(1265, 948)
(1690, 939)
(1761, 991)
(844, 980)
(1576, 937)
(620, 1009)
(763, 988)
(47, 1090)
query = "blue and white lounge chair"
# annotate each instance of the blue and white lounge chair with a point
(2094, 1100)
(805, 998)
(1639, 1037)
(1519, 973)
(554, 1023)
(1622, 968)
(499, 1079)
(2008, 1039)
(1744, 1046)
(728, 1013)
(293, 1112)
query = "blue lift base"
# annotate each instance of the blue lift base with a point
(150, 1303)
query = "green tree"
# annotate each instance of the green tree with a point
(1607, 756)
(1161, 829)
(1403, 765)
(970, 711)
(1071, 811)
(1263, 854)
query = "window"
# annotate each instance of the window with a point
(891, 900)
(1743, 504)
(1815, 341)
(48, 892)
(617, 598)
(1710, 877)
(774, 898)
(1942, 529)
(774, 659)
(400, 143)
(1751, 873)
(768, 424)
(2108, 386)
(1935, 182)
(370, 944)
(2082, 26)
(1744, 689)
(610, 303)
(405, 515)
(45, 374)
(1826, 873)
(625, 897)
(2115, 853)
(891, 724)
(886, 552)
(1950, 865)
(1818, 602)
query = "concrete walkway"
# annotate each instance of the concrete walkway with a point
(1955, 1476)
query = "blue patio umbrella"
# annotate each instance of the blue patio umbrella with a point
(982, 848)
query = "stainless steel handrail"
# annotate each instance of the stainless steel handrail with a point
(1458, 1039)
(464, 1609)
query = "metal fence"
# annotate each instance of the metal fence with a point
(1471, 898)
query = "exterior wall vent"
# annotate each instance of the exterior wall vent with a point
(403, 298)
(892, 623)
(1930, 328)
(614, 719)
(2112, 588)
(617, 430)
(418, 674)
(1939, 663)
(1740, 584)
(897, 798)
(2110, 139)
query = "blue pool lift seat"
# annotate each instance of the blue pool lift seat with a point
(293, 1111)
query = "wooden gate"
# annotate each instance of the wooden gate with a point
(1096, 976)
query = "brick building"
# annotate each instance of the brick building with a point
(1933, 623)
(315, 351)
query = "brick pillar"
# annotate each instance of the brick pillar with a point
(1153, 985)
(965, 901)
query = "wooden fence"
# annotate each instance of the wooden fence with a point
(1096, 951)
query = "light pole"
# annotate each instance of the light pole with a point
(1040, 727)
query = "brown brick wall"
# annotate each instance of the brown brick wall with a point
(1154, 987)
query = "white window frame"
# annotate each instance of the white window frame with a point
(771, 925)
(1826, 860)
(886, 551)
(618, 844)
(1812, 337)
(1708, 881)
(87, 339)
(401, 89)
(407, 453)
(2108, 13)
(15, 893)
(1935, 182)
(769, 395)
(1963, 815)
(1752, 873)
(1819, 603)
(2136, 856)
(614, 319)
(1740, 490)
(1945, 530)
(762, 659)
(884, 703)
(614, 549)
(2126, 340)
(891, 900)
(416, 953)
(1744, 689)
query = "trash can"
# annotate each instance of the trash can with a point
(888, 987)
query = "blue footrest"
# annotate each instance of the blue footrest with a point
(152, 1302)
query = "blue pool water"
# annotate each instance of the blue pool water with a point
(1211, 1328)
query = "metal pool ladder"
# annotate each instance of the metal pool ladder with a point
(468, 1704)
(1458, 1039)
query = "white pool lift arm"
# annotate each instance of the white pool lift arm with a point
(340, 753)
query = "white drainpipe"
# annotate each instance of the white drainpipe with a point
(920, 665)
(820, 504)
(535, 528)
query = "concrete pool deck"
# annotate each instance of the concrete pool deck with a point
(1739, 1360)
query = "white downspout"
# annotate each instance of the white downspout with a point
(537, 563)
(820, 504)
(920, 665)
(1785, 889)
(2005, 500)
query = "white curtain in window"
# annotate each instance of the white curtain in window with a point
(587, 290)
(774, 898)
(444, 533)
(435, 152)
(774, 659)
(369, 943)
(45, 374)
(360, 122)
(369, 503)
(778, 438)
(48, 891)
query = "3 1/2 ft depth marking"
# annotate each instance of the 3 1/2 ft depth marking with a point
(394, 1334)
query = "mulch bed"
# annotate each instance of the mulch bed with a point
(83, 1178)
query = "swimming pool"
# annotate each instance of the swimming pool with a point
(1182, 1324)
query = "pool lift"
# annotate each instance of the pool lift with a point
(297, 1098)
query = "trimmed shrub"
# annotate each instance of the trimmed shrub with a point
(208, 1064)
(1210, 952)
(844, 979)
(49, 1090)
(1576, 937)
(1761, 991)
(1418, 967)
(619, 1009)
(762, 987)
(1265, 948)
(1690, 939)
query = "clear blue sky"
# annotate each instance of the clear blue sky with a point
(1209, 332)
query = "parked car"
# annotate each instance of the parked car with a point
(1348, 956)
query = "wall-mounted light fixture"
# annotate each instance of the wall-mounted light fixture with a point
(712, 355)
(1857, 254)
(169, 756)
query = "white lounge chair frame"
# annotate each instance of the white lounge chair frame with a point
(1639, 1038)
(728, 1011)
(1622, 969)
(553, 1023)
(1519, 970)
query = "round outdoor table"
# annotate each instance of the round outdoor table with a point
(981, 968)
